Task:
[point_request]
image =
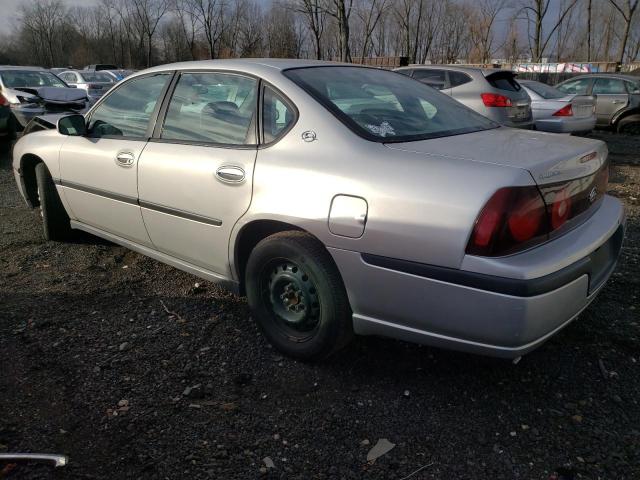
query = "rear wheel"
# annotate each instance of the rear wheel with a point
(55, 221)
(630, 125)
(297, 296)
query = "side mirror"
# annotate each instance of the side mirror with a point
(72, 125)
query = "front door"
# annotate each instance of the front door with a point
(99, 171)
(611, 96)
(195, 175)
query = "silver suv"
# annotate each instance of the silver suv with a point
(491, 92)
(340, 199)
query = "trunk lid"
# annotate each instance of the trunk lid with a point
(550, 158)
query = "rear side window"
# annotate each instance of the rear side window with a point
(458, 78)
(212, 108)
(434, 78)
(609, 86)
(633, 87)
(277, 115)
(126, 111)
(504, 81)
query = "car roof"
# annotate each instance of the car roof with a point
(621, 76)
(21, 67)
(249, 65)
(461, 68)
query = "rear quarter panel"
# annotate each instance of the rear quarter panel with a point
(420, 207)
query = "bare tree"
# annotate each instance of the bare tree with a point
(148, 14)
(535, 14)
(314, 14)
(627, 9)
(481, 25)
(369, 12)
(42, 21)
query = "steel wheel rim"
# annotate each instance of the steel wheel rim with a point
(291, 296)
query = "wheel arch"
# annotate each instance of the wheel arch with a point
(627, 117)
(250, 235)
(28, 164)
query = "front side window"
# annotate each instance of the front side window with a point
(383, 106)
(277, 115)
(126, 111)
(577, 87)
(212, 108)
(609, 86)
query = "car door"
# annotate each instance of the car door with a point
(195, 175)
(99, 171)
(611, 96)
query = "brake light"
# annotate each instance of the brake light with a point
(516, 218)
(512, 218)
(3, 101)
(495, 100)
(565, 111)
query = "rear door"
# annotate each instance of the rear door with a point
(611, 96)
(196, 173)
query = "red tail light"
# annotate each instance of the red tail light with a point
(512, 217)
(3, 101)
(516, 218)
(565, 111)
(495, 100)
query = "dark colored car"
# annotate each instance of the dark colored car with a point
(617, 98)
(101, 66)
(26, 92)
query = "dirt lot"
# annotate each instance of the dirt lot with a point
(100, 348)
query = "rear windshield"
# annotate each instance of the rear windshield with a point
(96, 77)
(545, 91)
(386, 107)
(26, 78)
(504, 81)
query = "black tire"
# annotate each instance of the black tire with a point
(6, 143)
(629, 127)
(55, 221)
(297, 296)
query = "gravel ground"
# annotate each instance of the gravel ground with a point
(133, 371)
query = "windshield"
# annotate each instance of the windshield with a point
(545, 91)
(96, 77)
(385, 106)
(26, 78)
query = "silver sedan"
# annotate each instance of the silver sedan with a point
(340, 199)
(559, 112)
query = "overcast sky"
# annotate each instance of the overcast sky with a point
(9, 11)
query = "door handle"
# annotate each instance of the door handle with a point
(619, 101)
(125, 159)
(230, 174)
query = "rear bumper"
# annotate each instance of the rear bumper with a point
(478, 313)
(566, 124)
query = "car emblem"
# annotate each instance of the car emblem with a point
(309, 136)
(593, 194)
